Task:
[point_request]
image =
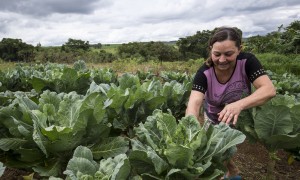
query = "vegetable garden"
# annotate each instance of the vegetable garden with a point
(65, 122)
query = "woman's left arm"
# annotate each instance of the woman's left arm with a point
(265, 90)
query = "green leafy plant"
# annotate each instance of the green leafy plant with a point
(167, 149)
(43, 136)
(82, 166)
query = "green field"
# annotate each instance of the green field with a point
(58, 119)
(110, 48)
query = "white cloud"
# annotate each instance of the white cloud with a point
(52, 22)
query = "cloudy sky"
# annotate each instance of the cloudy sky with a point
(53, 22)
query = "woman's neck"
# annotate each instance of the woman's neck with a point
(224, 76)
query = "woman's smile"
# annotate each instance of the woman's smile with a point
(222, 65)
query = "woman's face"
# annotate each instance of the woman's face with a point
(223, 55)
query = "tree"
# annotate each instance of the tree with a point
(97, 46)
(161, 51)
(16, 50)
(38, 47)
(284, 40)
(296, 42)
(195, 46)
(75, 45)
(129, 49)
(293, 31)
(263, 44)
(149, 50)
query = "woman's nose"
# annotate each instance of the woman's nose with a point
(222, 58)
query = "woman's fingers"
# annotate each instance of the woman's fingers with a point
(222, 115)
(235, 119)
(227, 116)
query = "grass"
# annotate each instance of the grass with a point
(109, 48)
(5, 66)
(189, 67)
(132, 66)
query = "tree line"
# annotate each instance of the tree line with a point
(285, 40)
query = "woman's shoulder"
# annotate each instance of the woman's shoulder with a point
(203, 67)
(245, 55)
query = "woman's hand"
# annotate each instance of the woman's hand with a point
(265, 90)
(230, 113)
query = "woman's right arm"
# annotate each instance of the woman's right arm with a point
(194, 104)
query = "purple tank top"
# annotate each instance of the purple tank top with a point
(218, 95)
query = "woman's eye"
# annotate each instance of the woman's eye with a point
(229, 53)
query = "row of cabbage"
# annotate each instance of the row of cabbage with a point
(129, 131)
(286, 83)
(62, 78)
(129, 125)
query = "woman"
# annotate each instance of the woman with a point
(223, 83)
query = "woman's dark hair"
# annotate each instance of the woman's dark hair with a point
(222, 34)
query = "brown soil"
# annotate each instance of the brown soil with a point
(251, 159)
(16, 174)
